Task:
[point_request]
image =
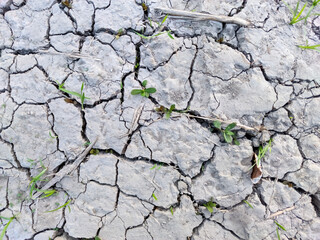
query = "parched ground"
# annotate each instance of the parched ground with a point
(148, 177)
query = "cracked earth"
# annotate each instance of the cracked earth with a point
(150, 177)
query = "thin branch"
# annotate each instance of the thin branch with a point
(73, 55)
(281, 212)
(203, 16)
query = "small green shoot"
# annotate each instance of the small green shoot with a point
(262, 152)
(166, 111)
(228, 135)
(34, 181)
(245, 201)
(119, 33)
(279, 226)
(94, 151)
(155, 166)
(313, 47)
(296, 13)
(97, 238)
(121, 85)
(4, 230)
(62, 206)
(154, 196)
(80, 95)
(159, 33)
(210, 205)
(171, 210)
(52, 136)
(86, 144)
(144, 92)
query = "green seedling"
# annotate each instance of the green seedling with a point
(245, 201)
(296, 13)
(167, 111)
(210, 205)
(159, 33)
(34, 181)
(52, 136)
(154, 196)
(155, 166)
(313, 47)
(62, 206)
(121, 85)
(97, 238)
(145, 92)
(171, 210)
(279, 226)
(94, 151)
(262, 152)
(228, 135)
(4, 230)
(86, 144)
(119, 33)
(80, 95)
(136, 66)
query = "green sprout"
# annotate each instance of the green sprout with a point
(313, 47)
(171, 210)
(228, 135)
(145, 92)
(80, 95)
(62, 206)
(4, 230)
(296, 13)
(155, 166)
(210, 205)
(94, 151)
(245, 201)
(262, 152)
(279, 226)
(159, 33)
(154, 196)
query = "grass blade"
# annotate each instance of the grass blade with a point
(4, 230)
(280, 226)
(64, 205)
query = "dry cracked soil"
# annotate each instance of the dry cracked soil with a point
(67, 70)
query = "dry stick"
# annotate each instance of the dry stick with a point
(217, 119)
(65, 170)
(281, 212)
(203, 16)
(134, 121)
(73, 55)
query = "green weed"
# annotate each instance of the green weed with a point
(62, 206)
(245, 201)
(145, 92)
(154, 196)
(228, 135)
(313, 47)
(296, 13)
(80, 95)
(171, 210)
(94, 151)
(4, 230)
(159, 33)
(155, 166)
(210, 205)
(279, 226)
(262, 152)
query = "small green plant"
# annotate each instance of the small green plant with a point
(313, 47)
(210, 205)
(159, 33)
(4, 230)
(245, 201)
(261, 153)
(155, 166)
(62, 206)
(145, 92)
(94, 151)
(279, 226)
(228, 135)
(119, 33)
(97, 238)
(296, 13)
(154, 196)
(80, 95)
(171, 210)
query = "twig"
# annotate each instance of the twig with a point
(217, 119)
(73, 55)
(134, 121)
(203, 16)
(281, 212)
(65, 170)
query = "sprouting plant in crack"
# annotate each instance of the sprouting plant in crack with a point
(210, 205)
(279, 226)
(119, 33)
(228, 135)
(246, 202)
(62, 206)
(262, 151)
(166, 111)
(155, 166)
(154, 196)
(296, 13)
(33, 185)
(94, 151)
(313, 47)
(80, 95)
(159, 30)
(145, 92)
(4, 230)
